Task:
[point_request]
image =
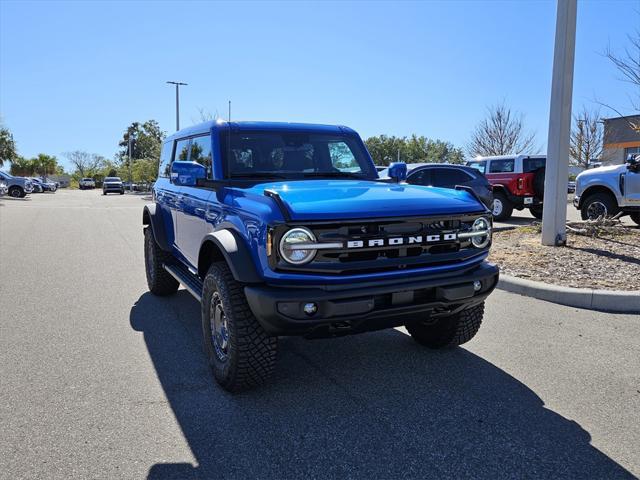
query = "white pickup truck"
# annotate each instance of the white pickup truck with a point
(607, 191)
(86, 183)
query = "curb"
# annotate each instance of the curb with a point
(605, 300)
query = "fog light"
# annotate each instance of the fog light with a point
(477, 285)
(310, 308)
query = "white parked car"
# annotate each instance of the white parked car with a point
(87, 183)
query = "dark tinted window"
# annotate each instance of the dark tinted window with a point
(201, 152)
(165, 160)
(421, 177)
(532, 164)
(448, 177)
(502, 166)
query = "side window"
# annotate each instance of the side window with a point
(530, 165)
(165, 160)
(342, 157)
(201, 152)
(449, 177)
(182, 150)
(421, 177)
(502, 166)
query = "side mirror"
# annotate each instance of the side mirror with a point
(187, 173)
(398, 171)
(633, 161)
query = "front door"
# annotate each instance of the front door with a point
(632, 188)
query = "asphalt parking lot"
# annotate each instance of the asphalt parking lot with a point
(100, 379)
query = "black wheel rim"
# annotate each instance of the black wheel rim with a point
(596, 209)
(219, 327)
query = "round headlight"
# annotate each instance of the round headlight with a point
(292, 246)
(481, 225)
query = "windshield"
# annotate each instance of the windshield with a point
(87, 179)
(480, 166)
(112, 179)
(294, 155)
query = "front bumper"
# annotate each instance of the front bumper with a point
(368, 306)
(113, 188)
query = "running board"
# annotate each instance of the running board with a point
(191, 282)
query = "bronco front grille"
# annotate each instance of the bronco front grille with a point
(357, 255)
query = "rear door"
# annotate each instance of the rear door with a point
(193, 203)
(502, 172)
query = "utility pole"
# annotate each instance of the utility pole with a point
(132, 138)
(554, 215)
(177, 84)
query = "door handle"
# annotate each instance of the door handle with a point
(200, 211)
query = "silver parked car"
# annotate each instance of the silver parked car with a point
(607, 191)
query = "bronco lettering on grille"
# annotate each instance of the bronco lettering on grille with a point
(414, 240)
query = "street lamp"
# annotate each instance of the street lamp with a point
(177, 84)
(132, 139)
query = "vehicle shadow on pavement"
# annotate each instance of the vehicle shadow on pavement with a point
(370, 406)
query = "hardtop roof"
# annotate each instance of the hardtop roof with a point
(207, 127)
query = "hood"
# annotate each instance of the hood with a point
(608, 170)
(352, 199)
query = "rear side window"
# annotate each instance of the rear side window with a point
(448, 177)
(530, 165)
(182, 150)
(165, 160)
(201, 152)
(502, 166)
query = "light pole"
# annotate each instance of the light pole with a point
(132, 138)
(554, 215)
(177, 84)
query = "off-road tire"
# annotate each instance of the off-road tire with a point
(536, 211)
(450, 331)
(635, 216)
(251, 352)
(507, 207)
(605, 199)
(16, 192)
(160, 281)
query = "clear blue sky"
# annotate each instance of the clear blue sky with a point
(73, 75)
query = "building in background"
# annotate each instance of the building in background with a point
(620, 139)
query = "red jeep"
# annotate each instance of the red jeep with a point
(517, 181)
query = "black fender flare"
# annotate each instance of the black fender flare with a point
(150, 217)
(235, 252)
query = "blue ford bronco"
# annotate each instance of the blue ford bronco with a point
(285, 229)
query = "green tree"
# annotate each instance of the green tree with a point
(148, 140)
(415, 149)
(45, 164)
(8, 152)
(22, 167)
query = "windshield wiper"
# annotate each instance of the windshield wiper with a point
(335, 175)
(250, 175)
